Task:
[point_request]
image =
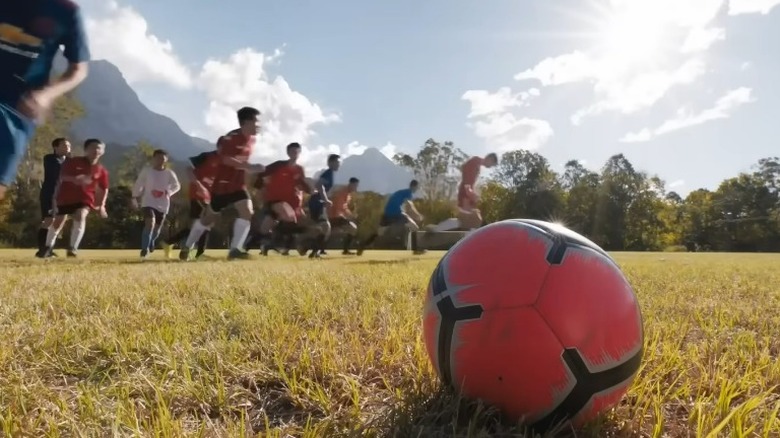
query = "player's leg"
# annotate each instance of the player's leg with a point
(385, 222)
(57, 224)
(146, 233)
(412, 228)
(204, 223)
(15, 132)
(241, 226)
(196, 210)
(77, 230)
(47, 218)
(349, 228)
(286, 227)
(319, 231)
(159, 220)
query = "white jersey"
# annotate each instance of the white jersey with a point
(156, 187)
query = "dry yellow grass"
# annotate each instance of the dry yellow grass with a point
(109, 346)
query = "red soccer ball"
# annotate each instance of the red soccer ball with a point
(534, 319)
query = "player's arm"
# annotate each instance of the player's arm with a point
(77, 53)
(173, 184)
(102, 195)
(304, 185)
(410, 205)
(321, 189)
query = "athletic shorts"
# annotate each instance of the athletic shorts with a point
(389, 221)
(63, 210)
(47, 202)
(15, 133)
(317, 211)
(196, 209)
(153, 212)
(220, 202)
(467, 198)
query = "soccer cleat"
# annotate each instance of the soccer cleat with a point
(167, 250)
(236, 253)
(347, 252)
(144, 253)
(72, 253)
(184, 254)
(315, 255)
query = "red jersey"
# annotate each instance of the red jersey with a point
(470, 171)
(284, 183)
(205, 167)
(70, 193)
(229, 179)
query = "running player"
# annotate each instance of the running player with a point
(31, 33)
(319, 202)
(469, 216)
(201, 175)
(229, 188)
(154, 186)
(83, 185)
(51, 174)
(340, 215)
(284, 182)
(394, 215)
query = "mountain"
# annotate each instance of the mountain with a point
(114, 113)
(376, 172)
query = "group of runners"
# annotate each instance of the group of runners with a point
(74, 186)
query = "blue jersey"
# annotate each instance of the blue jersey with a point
(51, 173)
(394, 206)
(326, 178)
(31, 33)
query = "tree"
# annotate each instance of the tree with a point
(535, 191)
(437, 168)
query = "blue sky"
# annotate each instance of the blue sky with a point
(687, 92)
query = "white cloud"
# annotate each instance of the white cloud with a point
(724, 107)
(700, 39)
(484, 103)
(501, 129)
(738, 7)
(628, 95)
(121, 35)
(564, 69)
(242, 79)
(506, 132)
(675, 184)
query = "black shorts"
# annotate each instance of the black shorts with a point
(158, 216)
(196, 209)
(220, 202)
(47, 203)
(389, 221)
(338, 222)
(317, 211)
(69, 209)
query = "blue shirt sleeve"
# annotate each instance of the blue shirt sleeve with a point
(75, 39)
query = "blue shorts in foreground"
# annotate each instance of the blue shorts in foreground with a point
(16, 131)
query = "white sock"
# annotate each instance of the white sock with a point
(51, 236)
(76, 233)
(197, 230)
(240, 233)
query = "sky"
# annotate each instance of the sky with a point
(685, 89)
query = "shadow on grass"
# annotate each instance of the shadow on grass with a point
(445, 414)
(403, 261)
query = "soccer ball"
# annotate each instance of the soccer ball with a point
(534, 319)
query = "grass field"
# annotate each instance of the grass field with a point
(109, 346)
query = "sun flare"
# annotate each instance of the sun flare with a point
(634, 33)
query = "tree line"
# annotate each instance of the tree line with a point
(619, 207)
